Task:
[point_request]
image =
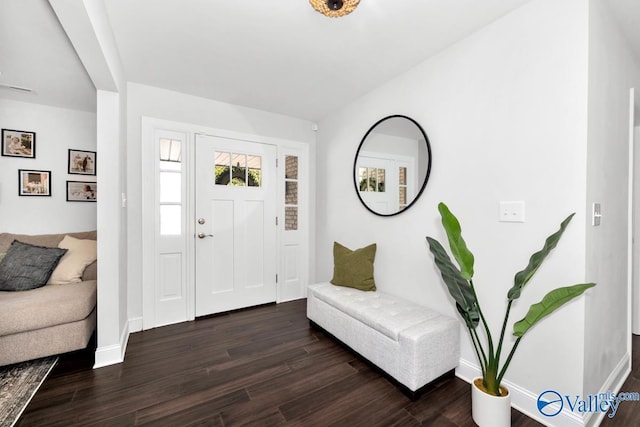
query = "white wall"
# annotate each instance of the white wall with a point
(613, 70)
(505, 111)
(87, 26)
(146, 101)
(57, 130)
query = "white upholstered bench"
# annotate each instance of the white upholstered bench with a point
(411, 343)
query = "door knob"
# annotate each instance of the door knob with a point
(201, 221)
(202, 235)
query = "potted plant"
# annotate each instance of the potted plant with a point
(459, 282)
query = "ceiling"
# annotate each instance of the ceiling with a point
(36, 54)
(279, 56)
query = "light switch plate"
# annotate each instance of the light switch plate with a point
(511, 211)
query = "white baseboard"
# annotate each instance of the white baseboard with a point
(613, 383)
(112, 354)
(135, 324)
(522, 399)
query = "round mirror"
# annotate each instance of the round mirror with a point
(392, 165)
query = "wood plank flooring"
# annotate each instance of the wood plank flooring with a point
(628, 413)
(263, 366)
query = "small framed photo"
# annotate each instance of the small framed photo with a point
(81, 191)
(82, 162)
(34, 183)
(18, 143)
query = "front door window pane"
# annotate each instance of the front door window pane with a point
(255, 171)
(223, 170)
(239, 170)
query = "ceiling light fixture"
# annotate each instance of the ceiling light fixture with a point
(334, 8)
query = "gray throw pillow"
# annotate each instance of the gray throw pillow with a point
(27, 266)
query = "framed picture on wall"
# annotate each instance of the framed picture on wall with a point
(82, 162)
(81, 191)
(34, 183)
(18, 143)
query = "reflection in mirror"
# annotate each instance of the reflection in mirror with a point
(392, 165)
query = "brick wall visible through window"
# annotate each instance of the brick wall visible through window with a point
(291, 193)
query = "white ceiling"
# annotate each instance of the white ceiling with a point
(35, 53)
(283, 56)
(278, 56)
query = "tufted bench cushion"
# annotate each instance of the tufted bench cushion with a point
(385, 313)
(411, 343)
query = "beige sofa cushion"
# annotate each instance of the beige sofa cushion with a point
(46, 306)
(80, 253)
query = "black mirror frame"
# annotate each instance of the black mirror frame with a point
(426, 178)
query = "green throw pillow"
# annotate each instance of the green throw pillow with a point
(354, 269)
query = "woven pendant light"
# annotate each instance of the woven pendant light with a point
(334, 8)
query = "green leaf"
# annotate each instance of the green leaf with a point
(458, 287)
(471, 317)
(522, 278)
(463, 256)
(551, 302)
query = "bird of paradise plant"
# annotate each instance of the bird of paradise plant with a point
(459, 282)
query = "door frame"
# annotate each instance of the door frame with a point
(284, 147)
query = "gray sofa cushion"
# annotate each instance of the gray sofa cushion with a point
(26, 266)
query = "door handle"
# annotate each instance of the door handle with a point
(202, 235)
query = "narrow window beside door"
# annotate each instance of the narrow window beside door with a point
(170, 187)
(291, 193)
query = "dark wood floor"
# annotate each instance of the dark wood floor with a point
(265, 366)
(628, 413)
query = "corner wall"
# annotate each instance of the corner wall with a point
(87, 26)
(506, 113)
(613, 70)
(57, 130)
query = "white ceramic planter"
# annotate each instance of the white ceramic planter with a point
(488, 410)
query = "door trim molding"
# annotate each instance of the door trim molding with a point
(149, 125)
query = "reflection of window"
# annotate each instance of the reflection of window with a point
(291, 193)
(372, 179)
(238, 170)
(402, 187)
(170, 187)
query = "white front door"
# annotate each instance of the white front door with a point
(235, 228)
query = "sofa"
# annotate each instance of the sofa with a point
(413, 344)
(52, 319)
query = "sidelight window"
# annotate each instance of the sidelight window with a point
(170, 187)
(291, 193)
